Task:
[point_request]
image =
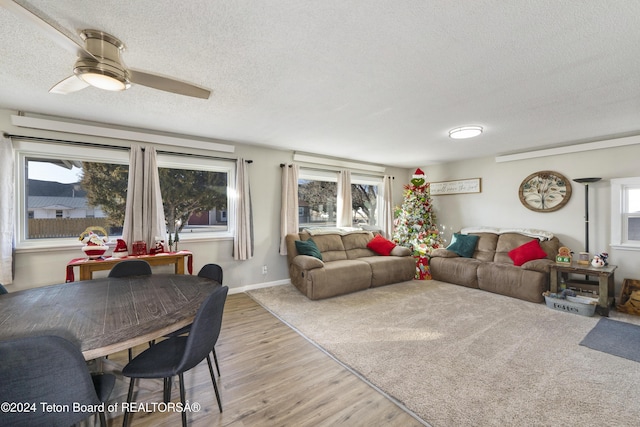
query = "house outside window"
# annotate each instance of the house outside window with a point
(57, 194)
(625, 213)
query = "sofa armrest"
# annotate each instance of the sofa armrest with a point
(307, 262)
(400, 251)
(541, 265)
(444, 253)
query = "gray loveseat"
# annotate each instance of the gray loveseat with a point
(347, 264)
(492, 269)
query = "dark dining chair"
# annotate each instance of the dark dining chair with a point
(211, 271)
(214, 272)
(178, 354)
(130, 267)
(49, 369)
(127, 268)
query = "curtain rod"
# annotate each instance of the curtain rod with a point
(111, 147)
(324, 170)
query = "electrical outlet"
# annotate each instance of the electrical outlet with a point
(264, 269)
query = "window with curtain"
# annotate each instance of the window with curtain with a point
(195, 194)
(317, 198)
(63, 197)
(625, 214)
(66, 188)
(364, 196)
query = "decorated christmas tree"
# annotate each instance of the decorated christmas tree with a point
(415, 222)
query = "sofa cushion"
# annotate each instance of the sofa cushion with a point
(486, 247)
(355, 244)
(389, 269)
(330, 246)
(338, 278)
(444, 253)
(540, 265)
(458, 270)
(527, 252)
(308, 247)
(400, 251)
(506, 243)
(516, 282)
(463, 244)
(380, 245)
(551, 247)
(306, 262)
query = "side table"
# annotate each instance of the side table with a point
(88, 266)
(604, 285)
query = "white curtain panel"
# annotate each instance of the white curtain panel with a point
(243, 236)
(344, 205)
(289, 207)
(386, 213)
(7, 194)
(144, 217)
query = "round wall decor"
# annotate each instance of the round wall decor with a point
(545, 191)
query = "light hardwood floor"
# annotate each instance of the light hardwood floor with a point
(270, 376)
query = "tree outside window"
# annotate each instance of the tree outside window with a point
(62, 206)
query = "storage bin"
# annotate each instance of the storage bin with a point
(577, 305)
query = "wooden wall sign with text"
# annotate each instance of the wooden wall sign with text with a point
(460, 186)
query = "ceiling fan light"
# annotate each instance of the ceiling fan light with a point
(465, 132)
(103, 81)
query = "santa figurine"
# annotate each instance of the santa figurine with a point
(121, 250)
(158, 248)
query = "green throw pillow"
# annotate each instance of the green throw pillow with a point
(308, 247)
(463, 244)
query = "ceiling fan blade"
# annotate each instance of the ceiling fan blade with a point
(167, 84)
(50, 31)
(68, 85)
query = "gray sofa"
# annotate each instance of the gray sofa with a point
(347, 264)
(492, 269)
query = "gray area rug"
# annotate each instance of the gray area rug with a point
(613, 337)
(463, 357)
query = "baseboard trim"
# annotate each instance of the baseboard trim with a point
(242, 289)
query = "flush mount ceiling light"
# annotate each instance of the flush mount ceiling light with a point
(465, 132)
(105, 69)
(101, 79)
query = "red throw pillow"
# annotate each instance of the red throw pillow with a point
(527, 252)
(380, 245)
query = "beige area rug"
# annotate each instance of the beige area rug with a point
(463, 357)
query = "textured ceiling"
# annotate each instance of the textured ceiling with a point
(377, 81)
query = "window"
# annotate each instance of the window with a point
(60, 192)
(318, 195)
(195, 194)
(625, 213)
(64, 197)
(66, 188)
(364, 196)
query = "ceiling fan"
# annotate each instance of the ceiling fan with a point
(99, 62)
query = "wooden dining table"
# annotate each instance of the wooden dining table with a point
(106, 315)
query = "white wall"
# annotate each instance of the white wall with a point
(498, 205)
(35, 268)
